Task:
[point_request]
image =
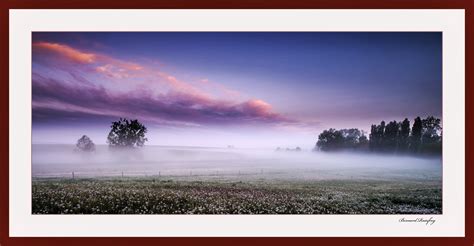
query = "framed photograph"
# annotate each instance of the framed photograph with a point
(222, 123)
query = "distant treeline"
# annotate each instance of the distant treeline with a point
(424, 137)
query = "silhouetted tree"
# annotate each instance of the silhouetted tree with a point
(363, 142)
(415, 138)
(333, 139)
(127, 133)
(381, 133)
(330, 140)
(376, 141)
(351, 137)
(431, 135)
(403, 142)
(85, 144)
(390, 138)
(373, 137)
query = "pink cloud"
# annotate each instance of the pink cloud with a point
(257, 108)
(118, 69)
(113, 68)
(107, 65)
(113, 71)
(66, 51)
(220, 89)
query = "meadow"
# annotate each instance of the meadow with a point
(177, 180)
(161, 195)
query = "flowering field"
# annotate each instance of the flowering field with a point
(174, 196)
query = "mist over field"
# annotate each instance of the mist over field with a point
(194, 180)
(62, 160)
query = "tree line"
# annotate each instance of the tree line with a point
(423, 137)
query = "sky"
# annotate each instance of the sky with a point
(246, 89)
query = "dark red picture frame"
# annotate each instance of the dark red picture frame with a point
(6, 5)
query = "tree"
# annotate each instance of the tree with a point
(390, 138)
(373, 137)
(431, 128)
(431, 135)
(85, 144)
(376, 141)
(363, 141)
(351, 137)
(127, 133)
(381, 134)
(415, 138)
(330, 140)
(333, 139)
(403, 136)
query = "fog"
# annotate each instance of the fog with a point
(55, 160)
(239, 136)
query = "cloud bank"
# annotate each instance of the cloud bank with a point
(100, 86)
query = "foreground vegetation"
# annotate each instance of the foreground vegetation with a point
(172, 196)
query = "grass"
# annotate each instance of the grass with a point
(163, 195)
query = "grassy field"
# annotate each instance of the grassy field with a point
(152, 195)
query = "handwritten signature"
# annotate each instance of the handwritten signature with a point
(429, 221)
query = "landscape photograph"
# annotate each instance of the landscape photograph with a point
(236, 123)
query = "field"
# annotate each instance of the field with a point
(178, 180)
(166, 196)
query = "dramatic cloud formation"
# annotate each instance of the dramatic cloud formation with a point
(51, 98)
(150, 94)
(67, 58)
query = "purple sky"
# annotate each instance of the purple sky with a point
(219, 89)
